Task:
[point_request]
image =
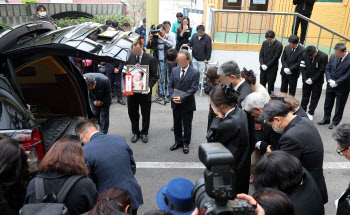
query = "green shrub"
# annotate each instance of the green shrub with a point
(5, 27)
(99, 19)
(28, 2)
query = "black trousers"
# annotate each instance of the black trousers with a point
(314, 91)
(269, 77)
(102, 115)
(182, 118)
(116, 82)
(134, 102)
(134, 212)
(290, 82)
(341, 99)
(304, 24)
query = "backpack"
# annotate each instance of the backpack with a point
(49, 203)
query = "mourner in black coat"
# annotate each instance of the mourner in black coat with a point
(312, 67)
(338, 85)
(304, 7)
(231, 129)
(141, 100)
(290, 65)
(300, 138)
(81, 197)
(100, 92)
(269, 56)
(183, 79)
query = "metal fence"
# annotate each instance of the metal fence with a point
(281, 31)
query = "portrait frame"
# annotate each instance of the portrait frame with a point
(133, 70)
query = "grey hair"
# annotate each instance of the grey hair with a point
(340, 47)
(230, 68)
(342, 135)
(90, 80)
(253, 100)
(272, 109)
(185, 52)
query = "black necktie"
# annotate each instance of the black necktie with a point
(182, 77)
(339, 61)
(138, 59)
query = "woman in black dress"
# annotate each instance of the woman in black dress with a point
(184, 32)
(230, 128)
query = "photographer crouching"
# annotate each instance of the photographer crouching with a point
(159, 41)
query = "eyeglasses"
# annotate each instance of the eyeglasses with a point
(340, 152)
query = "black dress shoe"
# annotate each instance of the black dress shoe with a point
(172, 129)
(175, 146)
(332, 126)
(120, 101)
(135, 138)
(324, 122)
(186, 149)
(144, 138)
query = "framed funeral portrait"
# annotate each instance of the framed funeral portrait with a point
(140, 78)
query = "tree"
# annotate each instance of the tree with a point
(136, 11)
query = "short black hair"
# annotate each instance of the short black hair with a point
(200, 27)
(293, 39)
(160, 26)
(272, 109)
(179, 14)
(166, 22)
(171, 54)
(279, 170)
(310, 50)
(138, 42)
(115, 24)
(144, 20)
(342, 135)
(274, 202)
(270, 34)
(109, 22)
(40, 6)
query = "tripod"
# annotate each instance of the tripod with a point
(160, 99)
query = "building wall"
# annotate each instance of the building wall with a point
(14, 14)
(333, 15)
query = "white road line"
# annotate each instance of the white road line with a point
(197, 165)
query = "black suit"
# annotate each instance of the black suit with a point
(183, 113)
(314, 69)
(269, 56)
(211, 115)
(115, 77)
(244, 90)
(142, 100)
(341, 76)
(302, 140)
(291, 59)
(103, 93)
(304, 7)
(232, 132)
(305, 195)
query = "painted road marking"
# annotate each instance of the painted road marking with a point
(197, 165)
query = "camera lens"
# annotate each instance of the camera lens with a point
(199, 195)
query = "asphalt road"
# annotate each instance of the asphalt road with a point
(153, 176)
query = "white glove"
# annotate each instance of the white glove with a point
(264, 67)
(287, 71)
(332, 84)
(309, 81)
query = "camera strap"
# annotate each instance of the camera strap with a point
(179, 208)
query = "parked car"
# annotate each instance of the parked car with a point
(43, 95)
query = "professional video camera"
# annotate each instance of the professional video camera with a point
(154, 32)
(214, 193)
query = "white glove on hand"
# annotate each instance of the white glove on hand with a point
(309, 81)
(332, 84)
(264, 67)
(287, 71)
